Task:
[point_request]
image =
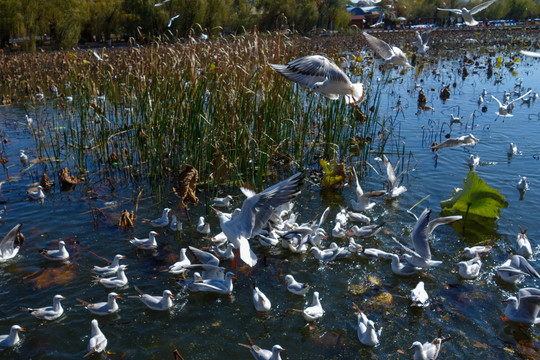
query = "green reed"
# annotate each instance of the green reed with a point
(216, 106)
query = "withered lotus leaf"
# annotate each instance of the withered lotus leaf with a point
(187, 182)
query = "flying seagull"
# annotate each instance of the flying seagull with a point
(390, 54)
(467, 14)
(322, 75)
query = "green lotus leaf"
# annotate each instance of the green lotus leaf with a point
(476, 197)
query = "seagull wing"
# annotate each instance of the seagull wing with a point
(481, 7)
(418, 41)
(420, 235)
(530, 53)
(497, 100)
(390, 172)
(441, 221)
(312, 69)
(359, 191)
(247, 192)
(6, 246)
(519, 98)
(380, 47)
(425, 37)
(204, 257)
(456, 11)
(257, 209)
(519, 262)
(529, 306)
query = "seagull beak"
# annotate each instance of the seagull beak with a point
(234, 277)
(171, 296)
(216, 210)
(64, 298)
(123, 258)
(22, 329)
(157, 234)
(118, 297)
(504, 301)
(410, 348)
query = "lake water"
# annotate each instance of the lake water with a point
(206, 326)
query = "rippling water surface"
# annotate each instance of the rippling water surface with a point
(205, 326)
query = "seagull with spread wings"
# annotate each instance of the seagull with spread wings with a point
(467, 14)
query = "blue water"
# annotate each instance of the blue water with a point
(206, 326)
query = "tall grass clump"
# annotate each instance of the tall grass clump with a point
(143, 112)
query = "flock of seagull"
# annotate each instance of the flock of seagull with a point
(267, 218)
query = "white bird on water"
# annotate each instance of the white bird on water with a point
(421, 41)
(419, 296)
(116, 282)
(322, 75)
(23, 157)
(98, 341)
(158, 303)
(295, 287)
(260, 300)
(36, 195)
(512, 149)
(479, 250)
(525, 308)
(473, 161)
(12, 339)
(428, 350)
(523, 245)
(203, 227)
(102, 308)
(363, 199)
(50, 312)
(513, 269)
(315, 311)
(366, 330)
(470, 269)
(179, 266)
(467, 14)
(263, 354)
(465, 140)
(394, 189)
(522, 185)
(163, 220)
(108, 270)
(390, 54)
(146, 244)
(61, 254)
(8, 248)
(255, 213)
(222, 202)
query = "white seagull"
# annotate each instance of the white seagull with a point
(172, 19)
(98, 341)
(8, 249)
(37, 194)
(203, 227)
(260, 301)
(255, 213)
(110, 270)
(23, 157)
(222, 202)
(295, 287)
(513, 269)
(479, 250)
(394, 189)
(525, 308)
(366, 330)
(179, 266)
(263, 354)
(530, 53)
(419, 296)
(363, 199)
(158, 303)
(465, 140)
(118, 281)
(470, 269)
(421, 41)
(163, 220)
(102, 308)
(322, 75)
(390, 54)
(505, 108)
(523, 245)
(56, 255)
(50, 312)
(12, 339)
(467, 14)
(146, 244)
(213, 285)
(315, 311)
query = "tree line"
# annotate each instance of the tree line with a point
(69, 22)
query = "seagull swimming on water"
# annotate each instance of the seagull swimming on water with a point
(50, 312)
(513, 269)
(524, 309)
(255, 213)
(362, 201)
(465, 140)
(390, 54)
(467, 14)
(322, 75)
(98, 341)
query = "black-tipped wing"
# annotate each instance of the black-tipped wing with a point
(380, 47)
(6, 246)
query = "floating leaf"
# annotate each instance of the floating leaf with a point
(334, 174)
(476, 197)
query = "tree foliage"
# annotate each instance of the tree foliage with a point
(68, 22)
